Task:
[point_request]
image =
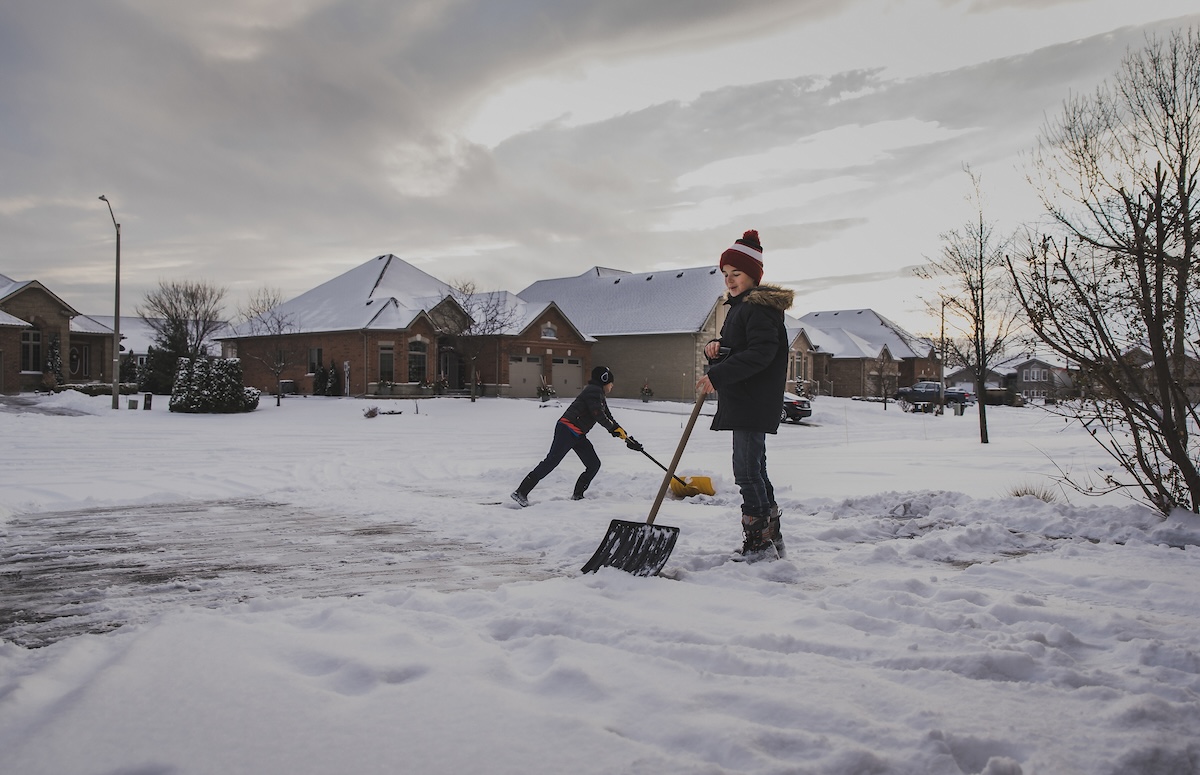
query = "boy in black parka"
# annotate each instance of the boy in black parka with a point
(570, 433)
(748, 371)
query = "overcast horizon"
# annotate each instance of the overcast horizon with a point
(280, 143)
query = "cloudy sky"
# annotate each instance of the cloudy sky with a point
(253, 143)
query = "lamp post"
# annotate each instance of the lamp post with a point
(116, 367)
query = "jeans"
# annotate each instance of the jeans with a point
(750, 473)
(565, 440)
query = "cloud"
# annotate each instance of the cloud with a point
(264, 142)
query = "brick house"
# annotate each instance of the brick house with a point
(33, 321)
(861, 353)
(388, 328)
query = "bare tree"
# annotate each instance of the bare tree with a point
(184, 316)
(978, 295)
(491, 315)
(1114, 283)
(262, 317)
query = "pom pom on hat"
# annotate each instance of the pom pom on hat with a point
(745, 255)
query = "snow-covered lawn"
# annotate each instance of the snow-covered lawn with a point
(306, 590)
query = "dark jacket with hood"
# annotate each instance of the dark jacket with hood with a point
(750, 379)
(588, 408)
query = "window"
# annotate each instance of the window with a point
(314, 360)
(1035, 375)
(31, 351)
(416, 361)
(549, 331)
(387, 362)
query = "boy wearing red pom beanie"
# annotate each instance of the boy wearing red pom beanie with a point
(748, 371)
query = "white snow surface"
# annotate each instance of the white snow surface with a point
(925, 620)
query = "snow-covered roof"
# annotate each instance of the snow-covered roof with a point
(9, 286)
(88, 324)
(603, 302)
(12, 321)
(384, 293)
(862, 333)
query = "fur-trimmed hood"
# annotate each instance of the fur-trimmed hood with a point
(771, 296)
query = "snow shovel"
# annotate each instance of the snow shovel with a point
(694, 485)
(642, 548)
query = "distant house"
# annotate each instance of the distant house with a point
(1033, 377)
(861, 353)
(34, 322)
(650, 328)
(1040, 378)
(386, 327)
(965, 379)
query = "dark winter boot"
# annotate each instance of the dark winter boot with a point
(755, 543)
(773, 533)
(581, 485)
(521, 494)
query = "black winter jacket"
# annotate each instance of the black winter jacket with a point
(588, 408)
(750, 379)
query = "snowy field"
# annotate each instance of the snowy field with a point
(306, 590)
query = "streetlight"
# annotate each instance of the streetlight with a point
(116, 367)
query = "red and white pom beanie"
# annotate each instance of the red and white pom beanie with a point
(746, 255)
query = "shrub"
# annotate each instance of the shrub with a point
(203, 386)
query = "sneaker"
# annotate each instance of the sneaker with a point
(519, 498)
(773, 533)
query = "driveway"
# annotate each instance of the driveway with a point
(93, 570)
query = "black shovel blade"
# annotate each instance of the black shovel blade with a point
(634, 547)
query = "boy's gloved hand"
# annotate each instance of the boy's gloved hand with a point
(620, 433)
(633, 444)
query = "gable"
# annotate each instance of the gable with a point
(16, 293)
(670, 301)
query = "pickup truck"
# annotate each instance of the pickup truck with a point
(922, 392)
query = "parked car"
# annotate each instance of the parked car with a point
(795, 408)
(922, 392)
(959, 396)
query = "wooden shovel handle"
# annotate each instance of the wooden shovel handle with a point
(662, 490)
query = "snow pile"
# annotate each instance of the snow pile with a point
(924, 622)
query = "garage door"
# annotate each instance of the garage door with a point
(524, 375)
(568, 376)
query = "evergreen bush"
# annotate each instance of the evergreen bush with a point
(204, 385)
(54, 361)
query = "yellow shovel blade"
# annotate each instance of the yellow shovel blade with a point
(696, 485)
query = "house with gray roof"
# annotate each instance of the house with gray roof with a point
(1034, 377)
(650, 328)
(386, 327)
(859, 352)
